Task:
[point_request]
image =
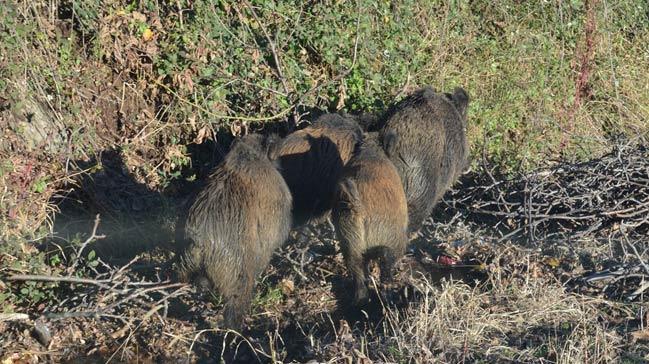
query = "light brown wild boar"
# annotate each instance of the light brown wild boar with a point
(370, 214)
(235, 223)
(311, 161)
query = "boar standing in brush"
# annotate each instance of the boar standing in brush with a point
(431, 150)
(235, 222)
(370, 214)
(311, 161)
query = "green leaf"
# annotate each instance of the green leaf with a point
(40, 185)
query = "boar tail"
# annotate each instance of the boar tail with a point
(348, 196)
(349, 215)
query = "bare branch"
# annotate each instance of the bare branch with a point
(13, 317)
(93, 236)
(271, 43)
(43, 278)
(567, 201)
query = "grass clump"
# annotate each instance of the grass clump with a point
(519, 322)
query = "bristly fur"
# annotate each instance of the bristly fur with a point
(431, 150)
(235, 222)
(370, 213)
(311, 160)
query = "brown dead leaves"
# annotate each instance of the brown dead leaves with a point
(130, 38)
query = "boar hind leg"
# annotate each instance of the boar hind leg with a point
(238, 300)
(235, 311)
(387, 261)
(356, 268)
(352, 243)
(349, 222)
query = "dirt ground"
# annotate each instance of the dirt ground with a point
(475, 286)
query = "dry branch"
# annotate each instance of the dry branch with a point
(44, 278)
(93, 236)
(278, 63)
(13, 317)
(605, 199)
(567, 201)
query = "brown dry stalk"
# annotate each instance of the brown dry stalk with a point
(583, 67)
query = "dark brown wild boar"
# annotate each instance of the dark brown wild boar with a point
(370, 214)
(311, 160)
(234, 224)
(430, 150)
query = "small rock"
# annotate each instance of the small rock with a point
(42, 333)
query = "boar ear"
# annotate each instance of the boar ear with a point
(461, 101)
(272, 145)
(428, 92)
(390, 140)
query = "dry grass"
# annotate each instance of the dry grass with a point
(526, 321)
(517, 309)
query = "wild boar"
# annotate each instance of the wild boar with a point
(424, 135)
(370, 214)
(235, 223)
(311, 161)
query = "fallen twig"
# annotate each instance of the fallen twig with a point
(93, 236)
(43, 278)
(569, 200)
(13, 317)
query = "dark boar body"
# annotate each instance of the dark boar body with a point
(235, 222)
(311, 161)
(425, 137)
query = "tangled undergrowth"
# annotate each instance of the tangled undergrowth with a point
(155, 81)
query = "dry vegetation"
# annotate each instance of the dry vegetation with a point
(119, 108)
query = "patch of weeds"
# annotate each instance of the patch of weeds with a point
(6, 167)
(30, 293)
(35, 293)
(50, 259)
(396, 354)
(40, 184)
(177, 160)
(268, 297)
(215, 298)
(541, 351)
